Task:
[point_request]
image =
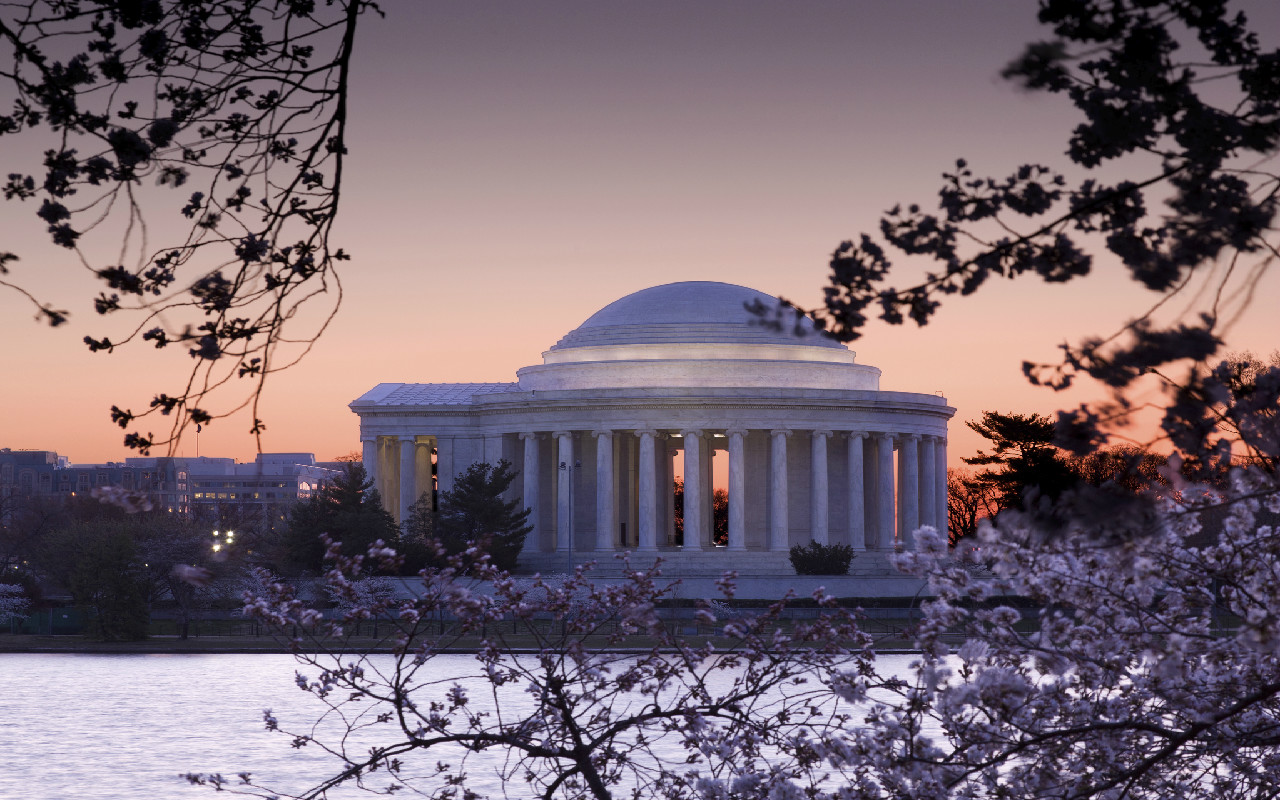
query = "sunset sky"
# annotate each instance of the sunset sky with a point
(516, 166)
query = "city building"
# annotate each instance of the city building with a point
(668, 380)
(198, 486)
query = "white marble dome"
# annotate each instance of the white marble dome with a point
(815, 450)
(695, 334)
(688, 312)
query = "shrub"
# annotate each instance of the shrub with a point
(821, 559)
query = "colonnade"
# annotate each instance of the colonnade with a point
(875, 501)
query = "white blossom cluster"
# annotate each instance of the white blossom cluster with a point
(13, 603)
(1132, 658)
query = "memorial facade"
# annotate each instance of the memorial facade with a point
(674, 379)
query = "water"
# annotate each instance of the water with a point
(111, 727)
(102, 727)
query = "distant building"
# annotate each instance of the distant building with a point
(189, 486)
(44, 473)
(264, 488)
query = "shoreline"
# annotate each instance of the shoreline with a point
(34, 644)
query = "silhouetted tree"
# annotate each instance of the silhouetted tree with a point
(24, 523)
(239, 105)
(1172, 172)
(1133, 469)
(677, 488)
(180, 558)
(473, 513)
(1248, 414)
(1023, 451)
(719, 514)
(98, 562)
(348, 509)
(418, 534)
(970, 498)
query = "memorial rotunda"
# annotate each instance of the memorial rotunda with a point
(679, 374)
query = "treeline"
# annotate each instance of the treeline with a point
(1024, 469)
(119, 564)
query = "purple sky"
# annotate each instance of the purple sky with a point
(516, 166)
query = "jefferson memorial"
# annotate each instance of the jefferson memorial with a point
(667, 381)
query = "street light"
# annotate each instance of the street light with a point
(227, 539)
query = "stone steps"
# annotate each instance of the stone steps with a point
(704, 564)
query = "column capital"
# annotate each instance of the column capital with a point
(558, 434)
(599, 433)
(735, 432)
(691, 432)
(407, 437)
(827, 434)
(527, 435)
(780, 432)
(652, 432)
(857, 435)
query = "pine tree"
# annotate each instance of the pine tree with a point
(349, 510)
(474, 513)
(1026, 456)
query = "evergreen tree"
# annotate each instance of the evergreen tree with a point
(349, 510)
(417, 540)
(1027, 459)
(474, 513)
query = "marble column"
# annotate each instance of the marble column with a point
(908, 489)
(666, 484)
(422, 468)
(564, 491)
(928, 483)
(884, 489)
(737, 490)
(383, 484)
(856, 501)
(708, 491)
(819, 490)
(694, 525)
(445, 471)
(408, 476)
(779, 521)
(940, 493)
(530, 490)
(664, 514)
(606, 511)
(369, 457)
(647, 502)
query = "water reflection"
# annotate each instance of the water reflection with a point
(110, 727)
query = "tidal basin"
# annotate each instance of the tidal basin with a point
(121, 727)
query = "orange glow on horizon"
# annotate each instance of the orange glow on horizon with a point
(539, 163)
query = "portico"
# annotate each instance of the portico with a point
(679, 375)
